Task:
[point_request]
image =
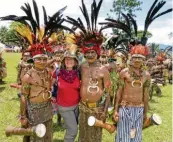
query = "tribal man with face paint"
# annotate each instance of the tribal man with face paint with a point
(132, 97)
(95, 83)
(23, 66)
(36, 106)
(35, 103)
(95, 78)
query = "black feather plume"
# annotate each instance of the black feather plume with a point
(57, 14)
(126, 19)
(45, 15)
(152, 12)
(85, 14)
(135, 26)
(97, 12)
(36, 13)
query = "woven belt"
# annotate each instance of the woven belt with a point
(90, 105)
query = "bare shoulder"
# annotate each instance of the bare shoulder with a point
(124, 71)
(26, 78)
(83, 65)
(104, 69)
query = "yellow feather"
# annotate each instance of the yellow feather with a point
(25, 32)
(71, 43)
(53, 37)
(41, 33)
(70, 39)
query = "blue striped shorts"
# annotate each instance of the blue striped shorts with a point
(130, 118)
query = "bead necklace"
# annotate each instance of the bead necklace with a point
(93, 82)
(137, 78)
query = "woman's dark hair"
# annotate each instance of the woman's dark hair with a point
(76, 66)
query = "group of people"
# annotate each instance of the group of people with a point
(77, 72)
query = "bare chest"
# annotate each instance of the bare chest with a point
(135, 80)
(40, 80)
(92, 72)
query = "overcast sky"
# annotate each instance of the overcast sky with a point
(160, 28)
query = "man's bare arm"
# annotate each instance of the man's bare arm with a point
(19, 69)
(117, 98)
(107, 86)
(146, 93)
(118, 95)
(50, 62)
(25, 90)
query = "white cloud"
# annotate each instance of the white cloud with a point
(13, 6)
(160, 29)
(160, 35)
(9, 7)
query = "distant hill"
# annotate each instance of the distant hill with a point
(163, 46)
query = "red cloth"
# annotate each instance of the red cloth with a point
(68, 93)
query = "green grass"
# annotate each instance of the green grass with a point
(9, 109)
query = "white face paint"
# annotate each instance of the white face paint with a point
(137, 61)
(91, 56)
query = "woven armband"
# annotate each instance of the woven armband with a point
(25, 89)
(26, 86)
(121, 83)
(147, 83)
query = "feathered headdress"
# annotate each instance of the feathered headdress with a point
(161, 57)
(30, 29)
(139, 51)
(59, 41)
(117, 44)
(89, 38)
(130, 22)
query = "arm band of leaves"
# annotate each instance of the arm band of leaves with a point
(106, 92)
(121, 83)
(26, 86)
(147, 83)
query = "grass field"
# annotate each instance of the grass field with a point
(9, 109)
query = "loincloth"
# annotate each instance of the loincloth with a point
(39, 112)
(88, 133)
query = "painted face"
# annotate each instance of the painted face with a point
(137, 61)
(40, 63)
(118, 67)
(150, 63)
(159, 62)
(91, 56)
(103, 59)
(26, 56)
(69, 62)
(78, 54)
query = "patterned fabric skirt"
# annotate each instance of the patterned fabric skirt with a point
(130, 119)
(88, 133)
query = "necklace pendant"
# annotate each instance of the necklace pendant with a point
(132, 133)
(137, 82)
